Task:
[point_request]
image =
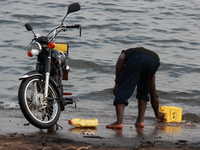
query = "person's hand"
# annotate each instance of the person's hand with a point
(160, 116)
(115, 89)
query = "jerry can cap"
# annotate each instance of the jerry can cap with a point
(162, 108)
(69, 121)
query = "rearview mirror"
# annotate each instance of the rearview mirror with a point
(28, 27)
(73, 7)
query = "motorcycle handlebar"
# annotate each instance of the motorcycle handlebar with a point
(75, 26)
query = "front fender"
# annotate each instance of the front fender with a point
(36, 73)
(30, 74)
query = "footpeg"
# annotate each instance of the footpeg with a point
(67, 101)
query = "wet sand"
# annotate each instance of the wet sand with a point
(16, 133)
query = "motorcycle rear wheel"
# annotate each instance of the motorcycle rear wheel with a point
(40, 112)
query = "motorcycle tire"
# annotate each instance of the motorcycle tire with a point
(39, 112)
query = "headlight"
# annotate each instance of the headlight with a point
(36, 48)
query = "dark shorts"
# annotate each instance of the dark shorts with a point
(138, 71)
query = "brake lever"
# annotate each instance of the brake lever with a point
(80, 30)
(78, 26)
(64, 28)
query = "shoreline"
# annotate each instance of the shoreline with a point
(16, 133)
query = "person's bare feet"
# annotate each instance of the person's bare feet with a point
(115, 126)
(139, 124)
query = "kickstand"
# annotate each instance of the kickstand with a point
(75, 104)
(57, 126)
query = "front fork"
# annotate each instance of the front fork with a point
(47, 74)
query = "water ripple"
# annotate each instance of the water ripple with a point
(170, 28)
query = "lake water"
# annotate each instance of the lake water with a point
(170, 28)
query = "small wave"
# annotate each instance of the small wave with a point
(9, 105)
(191, 117)
(123, 10)
(53, 5)
(3, 68)
(3, 21)
(82, 64)
(194, 43)
(168, 41)
(102, 26)
(180, 69)
(106, 4)
(188, 48)
(104, 95)
(185, 100)
(31, 16)
(180, 29)
(167, 13)
(160, 30)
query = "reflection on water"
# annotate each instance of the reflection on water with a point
(79, 130)
(172, 129)
(146, 132)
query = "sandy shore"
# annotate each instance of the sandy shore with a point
(36, 142)
(16, 133)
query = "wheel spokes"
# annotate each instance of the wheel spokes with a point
(40, 108)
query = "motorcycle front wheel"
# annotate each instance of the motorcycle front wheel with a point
(40, 112)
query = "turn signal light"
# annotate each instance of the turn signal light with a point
(51, 45)
(29, 53)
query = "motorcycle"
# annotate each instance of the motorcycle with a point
(40, 95)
